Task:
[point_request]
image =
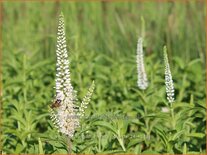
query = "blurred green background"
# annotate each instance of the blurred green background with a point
(101, 39)
(108, 28)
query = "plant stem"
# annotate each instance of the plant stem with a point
(69, 145)
(24, 79)
(146, 120)
(172, 116)
(121, 140)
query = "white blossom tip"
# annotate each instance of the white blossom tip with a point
(142, 81)
(168, 78)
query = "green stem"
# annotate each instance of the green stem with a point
(99, 144)
(146, 120)
(172, 116)
(69, 145)
(121, 141)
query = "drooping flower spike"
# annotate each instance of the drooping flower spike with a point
(65, 112)
(142, 81)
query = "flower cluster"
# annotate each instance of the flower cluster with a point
(66, 114)
(142, 76)
(86, 100)
(168, 79)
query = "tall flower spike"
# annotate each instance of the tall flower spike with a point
(168, 78)
(65, 115)
(64, 112)
(142, 76)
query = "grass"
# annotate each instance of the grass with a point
(102, 40)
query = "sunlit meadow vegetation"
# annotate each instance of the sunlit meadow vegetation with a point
(101, 42)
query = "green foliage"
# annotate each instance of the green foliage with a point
(102, 41)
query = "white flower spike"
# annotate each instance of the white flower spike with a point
(86, 100)
(168, 78)
(64, 112)
(142, 76)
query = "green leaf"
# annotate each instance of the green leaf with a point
(197, 135)
(163, 136)
(113, 151)
(150, 152)
(178, 134)
(106, 125)
(133, 142)
(88, 146)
